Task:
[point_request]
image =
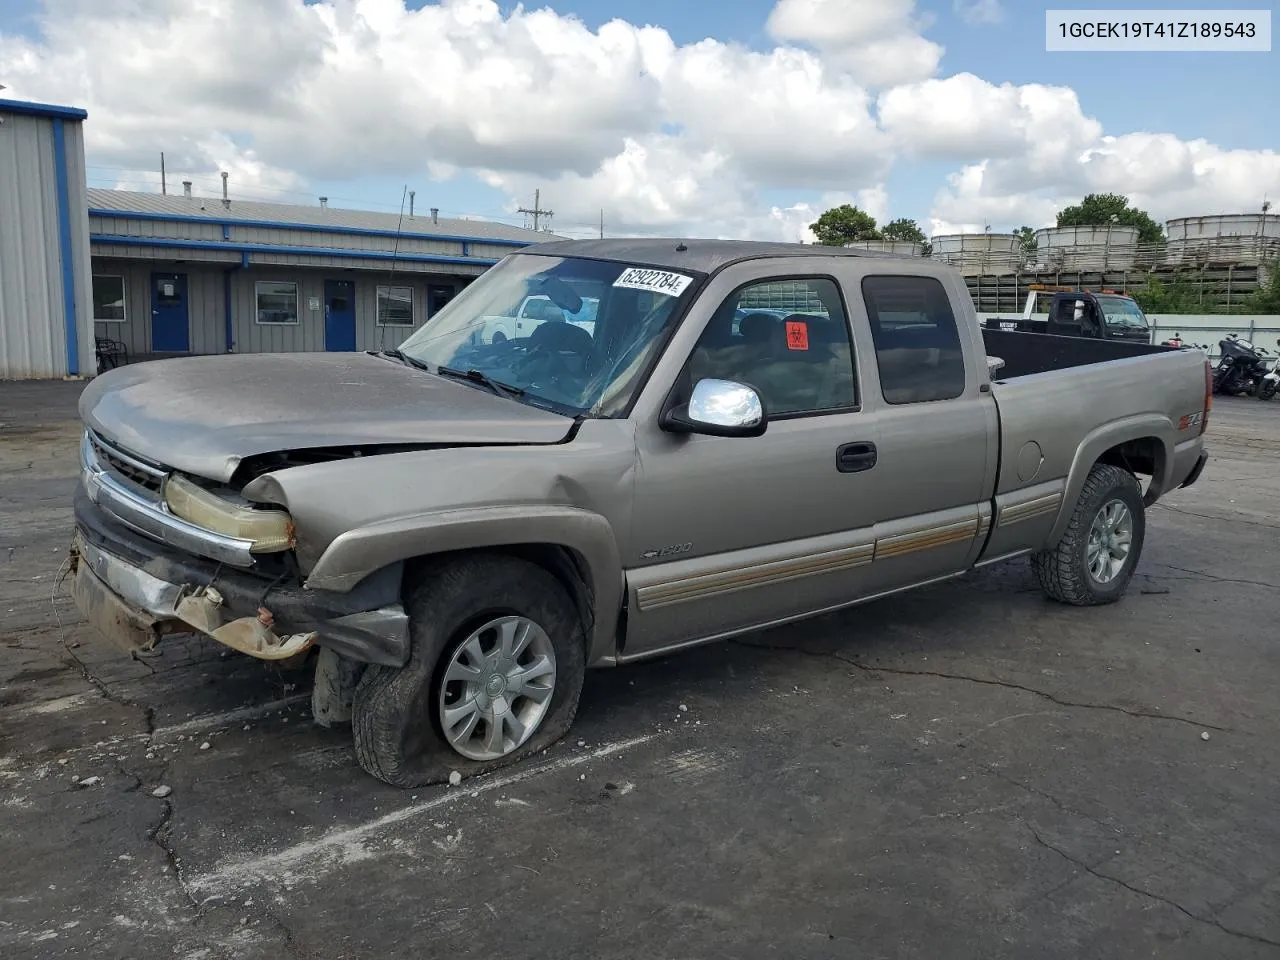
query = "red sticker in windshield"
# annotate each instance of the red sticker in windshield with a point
(797, 335)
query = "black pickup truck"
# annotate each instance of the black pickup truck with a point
(1099, 316)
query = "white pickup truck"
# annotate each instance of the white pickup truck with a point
(533, 312)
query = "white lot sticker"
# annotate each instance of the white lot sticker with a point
(655, 281)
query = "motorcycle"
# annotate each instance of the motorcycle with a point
(1177, 341)
(1269, 385)
(1240, 366)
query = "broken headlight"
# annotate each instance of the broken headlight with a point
(267, 530)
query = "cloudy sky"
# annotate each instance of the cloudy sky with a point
(742, 118)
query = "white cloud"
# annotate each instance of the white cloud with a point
(1161, 174)
(978, 11)
(878, 41)
(964, 117)
(666, 138)
(359, 88)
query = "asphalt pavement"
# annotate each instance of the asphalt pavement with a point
(967, 771)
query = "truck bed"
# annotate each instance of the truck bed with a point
(1026, 353)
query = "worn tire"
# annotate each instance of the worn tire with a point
(393, 716)
(1266, 390)
(1063, 572)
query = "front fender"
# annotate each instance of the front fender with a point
(355, 554)
(1099, 441)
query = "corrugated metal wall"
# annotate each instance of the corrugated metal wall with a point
(308, 333)
(204, 304)
(32, 308)
(207, 310)
(78, 206)
(406, 244)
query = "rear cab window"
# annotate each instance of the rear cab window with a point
(917, 339)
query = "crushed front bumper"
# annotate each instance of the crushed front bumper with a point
(136, 591)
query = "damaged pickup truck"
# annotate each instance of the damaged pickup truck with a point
(457, 529)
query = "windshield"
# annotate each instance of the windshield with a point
(572, 334)
(1120, 312)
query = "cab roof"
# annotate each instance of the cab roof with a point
(703, 256)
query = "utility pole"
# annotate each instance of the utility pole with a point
(164, 188)
(537, 212)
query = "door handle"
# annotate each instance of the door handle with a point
(856, 457)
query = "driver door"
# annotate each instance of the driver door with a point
(733, 532)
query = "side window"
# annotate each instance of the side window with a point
(788, 339)
(917, 341)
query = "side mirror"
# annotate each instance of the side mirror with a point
(719, 408)
(994, 366)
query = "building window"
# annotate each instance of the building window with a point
(395, 306)
(277, 302)
(108, 299)
(917, 339)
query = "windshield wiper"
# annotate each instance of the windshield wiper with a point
(405, 359)
(475, 376)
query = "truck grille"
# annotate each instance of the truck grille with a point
(139, 473)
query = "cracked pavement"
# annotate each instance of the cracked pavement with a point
(963, 771)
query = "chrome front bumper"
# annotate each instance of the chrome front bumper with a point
(135, 609)
(150, 516)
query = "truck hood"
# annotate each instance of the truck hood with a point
(204, 415)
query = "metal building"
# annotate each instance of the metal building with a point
(45, 325)
(188, 274)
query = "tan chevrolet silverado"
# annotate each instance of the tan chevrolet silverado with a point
(747, 434)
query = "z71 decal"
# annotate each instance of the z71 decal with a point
(671, 551)
(1190, 420)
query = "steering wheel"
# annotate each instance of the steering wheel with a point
(558, 342)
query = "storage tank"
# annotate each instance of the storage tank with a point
(1105, 247)
(1226, 238)
(975, 254)
(907, 248)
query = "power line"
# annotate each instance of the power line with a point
(537, 212)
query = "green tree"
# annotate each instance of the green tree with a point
(1266, 299)
(903, 229)
(1027, 245)
(1098, 209)
(907, 231)
(1175, 296)
(844, 224)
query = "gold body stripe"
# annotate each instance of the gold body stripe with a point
(706, 585)
(1039, 507)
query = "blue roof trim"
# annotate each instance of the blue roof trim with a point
(227, 223)
(70, 329)
(42, 110)
(247, 248)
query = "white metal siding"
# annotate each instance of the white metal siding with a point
(78, 205)
(207, 310)
(32, 318)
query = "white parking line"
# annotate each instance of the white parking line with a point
(339, 845)
(231, 716)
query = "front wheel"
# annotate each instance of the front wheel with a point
(495, 672)
(1095, 559)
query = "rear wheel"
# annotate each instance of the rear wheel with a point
(1267, 389)
(1094, 561)
(494, 674)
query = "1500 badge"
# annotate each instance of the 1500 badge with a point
(672, 551)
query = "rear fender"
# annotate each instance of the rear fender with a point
(353, 555)
(1104, 438)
